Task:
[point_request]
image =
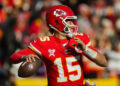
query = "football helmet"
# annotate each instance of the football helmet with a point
(57, 17)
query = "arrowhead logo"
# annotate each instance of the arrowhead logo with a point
(59, 12)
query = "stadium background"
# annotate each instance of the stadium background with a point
(23, 20)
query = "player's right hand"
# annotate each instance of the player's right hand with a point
(31, 58)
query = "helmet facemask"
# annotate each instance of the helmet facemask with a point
(70, 29)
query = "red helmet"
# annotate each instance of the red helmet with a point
(56, 19)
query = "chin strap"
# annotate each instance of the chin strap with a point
(70, 34)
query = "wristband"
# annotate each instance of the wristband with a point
(91, 53)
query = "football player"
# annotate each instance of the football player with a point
(62, 53)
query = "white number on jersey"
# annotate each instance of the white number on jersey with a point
(70, 67)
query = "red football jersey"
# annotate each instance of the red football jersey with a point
(62, 62)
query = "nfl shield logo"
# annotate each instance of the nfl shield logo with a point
(51, 52)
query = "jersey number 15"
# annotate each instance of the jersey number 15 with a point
(70, 68)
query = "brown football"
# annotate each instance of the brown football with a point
(29, 68)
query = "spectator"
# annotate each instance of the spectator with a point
(114, 61)
(83, 18)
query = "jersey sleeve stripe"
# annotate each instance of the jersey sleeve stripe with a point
(34, 49)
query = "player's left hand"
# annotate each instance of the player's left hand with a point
(81, 45)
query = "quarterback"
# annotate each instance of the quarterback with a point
(62, 53)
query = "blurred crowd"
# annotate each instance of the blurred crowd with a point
(21, 21)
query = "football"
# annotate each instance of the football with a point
(27, 69)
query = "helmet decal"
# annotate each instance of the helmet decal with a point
(59, 12)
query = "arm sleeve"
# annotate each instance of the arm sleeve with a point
(16, 57)
(36, 46)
